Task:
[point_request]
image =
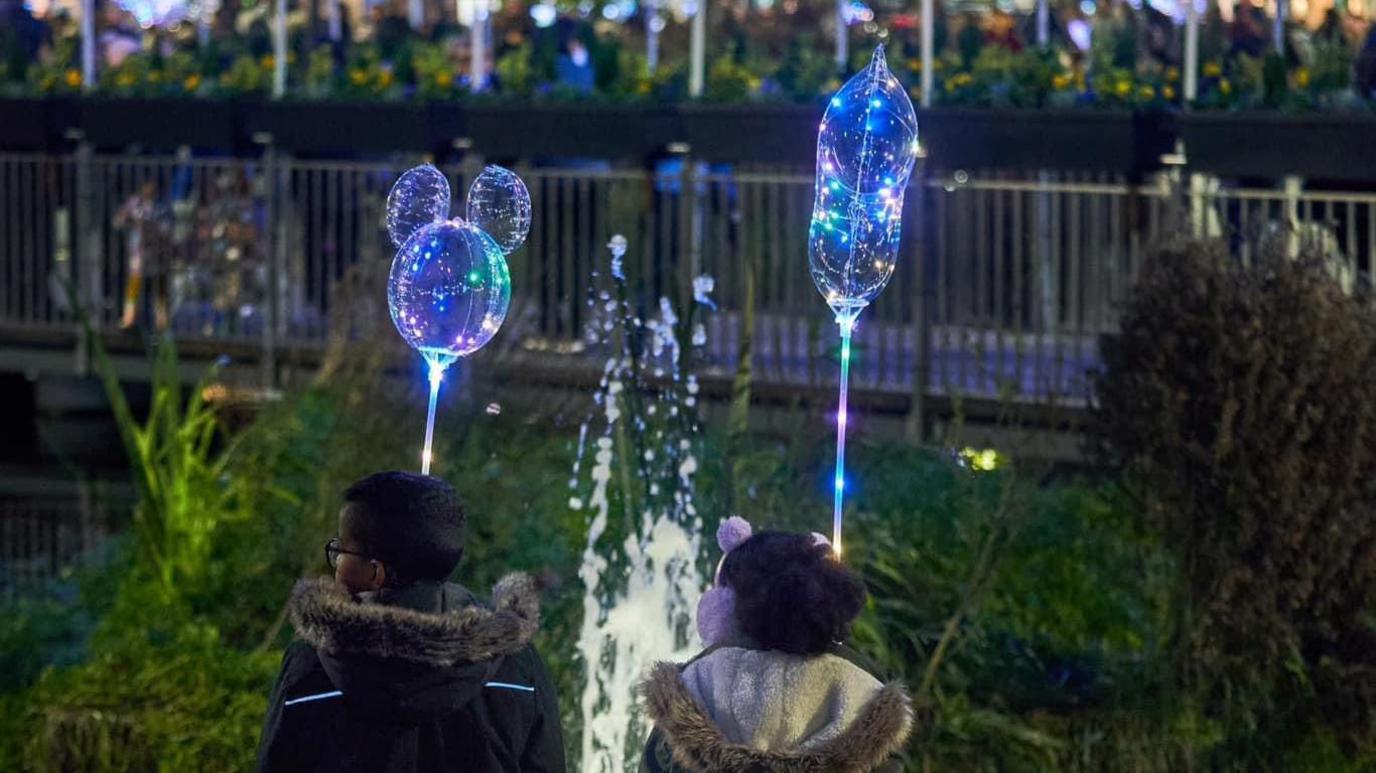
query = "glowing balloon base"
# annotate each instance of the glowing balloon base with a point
(866, 147)
(450, 288)
(439, 362)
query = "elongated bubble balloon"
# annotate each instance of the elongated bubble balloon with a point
(449, 290)
(866, 147)
(418, 198)
(499, 204)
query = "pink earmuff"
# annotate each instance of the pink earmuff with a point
(717, 608)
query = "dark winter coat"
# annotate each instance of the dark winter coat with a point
(422, 679)
(739, 710)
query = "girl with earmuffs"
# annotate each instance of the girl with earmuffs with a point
(776, 690)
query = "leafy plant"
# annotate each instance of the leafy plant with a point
(1237, 403)
(729, 81)
(247, 74)
(178, 474)
(320, 78)
(435, 72)
(189, 704)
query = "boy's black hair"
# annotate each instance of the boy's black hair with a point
(792, 594)
(414, 524)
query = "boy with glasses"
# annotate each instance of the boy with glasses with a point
(397, 669)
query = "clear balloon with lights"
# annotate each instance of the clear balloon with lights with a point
(866, 147)
(449, 290)
(418, 198)
(499, 204)
(449, 287)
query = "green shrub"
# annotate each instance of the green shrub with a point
(1239, 404)
(190, 704)
(53, 624)
(1051, 598)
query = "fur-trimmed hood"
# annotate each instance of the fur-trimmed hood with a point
(871, 733)
(328, 619)
(422, 652)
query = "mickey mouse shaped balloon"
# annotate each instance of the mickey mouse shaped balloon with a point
(449, 288)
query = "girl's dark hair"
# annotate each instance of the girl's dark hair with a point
(792, 595)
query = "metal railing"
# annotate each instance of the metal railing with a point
(40, 541)
(1005, 282)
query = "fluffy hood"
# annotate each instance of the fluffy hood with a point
(426, 652)
(738, 709)
(328, 619)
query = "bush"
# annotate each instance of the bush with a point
(190, 704)
(1060, 602)
(1239, 404)
(53, 624)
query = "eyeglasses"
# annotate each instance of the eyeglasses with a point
(333, 551)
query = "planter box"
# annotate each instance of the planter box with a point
(767, 134)
(160, 123)
(1074, 140)
(1329, 147)
(448, 122)
(570, 131)
(36, 124)
(341, 128)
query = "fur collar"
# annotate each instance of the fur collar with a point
(329, 620)
(877, 733)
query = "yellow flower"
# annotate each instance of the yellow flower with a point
(1213, 70)
(1224, 87)
(384, 79)
(1172, 74)
(267, 62)
(1060, 81)
(914, 65)
(192, 82)
(73, 78)
(444, 79)
(1146, 92)
(1168, 91)
(358, 77)
(125, 79)
(1123, 88)
(1302, 77)
(643, 87)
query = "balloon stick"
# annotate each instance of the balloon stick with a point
(847, 324)
(438, 364)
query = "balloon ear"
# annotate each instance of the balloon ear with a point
(732, 532)
(499, 203)
(717, 616)
(418, 198)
